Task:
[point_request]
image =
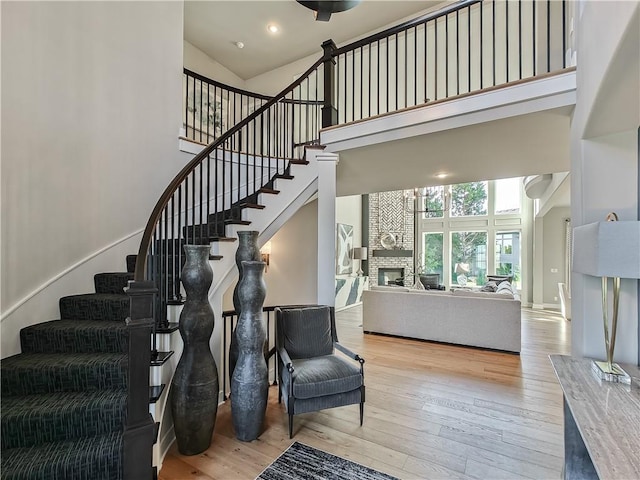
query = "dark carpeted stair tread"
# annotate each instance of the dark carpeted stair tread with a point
(56, 417)
(131, 263)
(112, 282)
(75, 336)
(95, 306)
(35, 373)
(92, 458)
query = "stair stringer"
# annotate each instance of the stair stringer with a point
(294, 193)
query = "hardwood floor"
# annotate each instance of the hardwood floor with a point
(432, 411)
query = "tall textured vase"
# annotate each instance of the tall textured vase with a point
(194, 388)
(250, 383)
(247, 251)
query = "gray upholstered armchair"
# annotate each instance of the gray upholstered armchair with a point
(312, 376)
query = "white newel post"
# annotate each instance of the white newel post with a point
(326, 227)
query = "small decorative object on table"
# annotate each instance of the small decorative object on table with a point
(194, 388)
(250, 382)
(608, 249)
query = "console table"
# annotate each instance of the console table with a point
(601, 422)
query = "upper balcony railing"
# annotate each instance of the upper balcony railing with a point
(466, 47)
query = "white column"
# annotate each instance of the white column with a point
(327, 163)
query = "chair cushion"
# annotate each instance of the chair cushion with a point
(320, 376)
(307, 332)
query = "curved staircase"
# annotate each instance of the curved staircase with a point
(64, 397)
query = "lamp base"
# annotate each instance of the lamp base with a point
(614, 374)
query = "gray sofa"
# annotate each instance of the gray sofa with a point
(479, 319)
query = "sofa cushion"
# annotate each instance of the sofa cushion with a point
(504, 287)
(490, 286)
(388, 288)
(476, 293)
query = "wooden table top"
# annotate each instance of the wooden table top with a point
(607, 415)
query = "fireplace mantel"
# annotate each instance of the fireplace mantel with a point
(392, 253)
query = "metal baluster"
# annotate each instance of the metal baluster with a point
(506, 34)
(446, 56)
(548, 36)
(564, 34)
(469, 49)
(186, 107)
(519, 39)
(493, 23)
(457, 53)
(481, 46)
(533, 35)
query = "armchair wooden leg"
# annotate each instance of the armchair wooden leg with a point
(361, 412)
(290, 426)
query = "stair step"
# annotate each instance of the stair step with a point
(75, 336)
(169, 328)
(282, 176)
(254, 206)
(131, 263)
(95, 306)
(36, 373)
(222, 239)
(113, 282)
(89, 458)
(57, 417)
(155, 391)
(269, 191)
(233, 221)
(216, 257)
(161, 358)
(299, 162)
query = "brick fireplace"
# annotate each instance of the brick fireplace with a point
(388, 216)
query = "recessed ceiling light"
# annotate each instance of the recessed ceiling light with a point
(273, 28)
(442, 175)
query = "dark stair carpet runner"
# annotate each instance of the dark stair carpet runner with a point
(64, 398)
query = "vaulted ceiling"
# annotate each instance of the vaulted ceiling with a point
(216, 26)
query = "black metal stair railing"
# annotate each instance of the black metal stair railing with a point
(223, 179)
(211, 107)
(465, 47)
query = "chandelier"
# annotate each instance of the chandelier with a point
(427, 200)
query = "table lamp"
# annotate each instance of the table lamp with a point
(609, 249)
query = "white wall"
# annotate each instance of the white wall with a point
(90, 116)
(604, 169)
(294, 248)
(349, 212)
(198, 61)
(553, 254)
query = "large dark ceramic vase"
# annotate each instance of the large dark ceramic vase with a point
(247, 251)
(250, 383)
(194, 388)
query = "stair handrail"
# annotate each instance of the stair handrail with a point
(404, 26)
(161, 204)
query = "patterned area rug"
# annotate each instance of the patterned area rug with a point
(302, 462)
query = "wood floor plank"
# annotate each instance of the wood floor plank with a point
(433, 411)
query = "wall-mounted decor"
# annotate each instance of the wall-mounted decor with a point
(344, 244)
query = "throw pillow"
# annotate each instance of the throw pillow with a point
(504, 287)
(500, 278)
(489, 287)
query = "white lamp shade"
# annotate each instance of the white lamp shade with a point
(359, 253)
(607, 249)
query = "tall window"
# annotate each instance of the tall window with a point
(508, 196)
(468, 258)
(469, 199)
(433, 253)
(508, 255)
(433, 202)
